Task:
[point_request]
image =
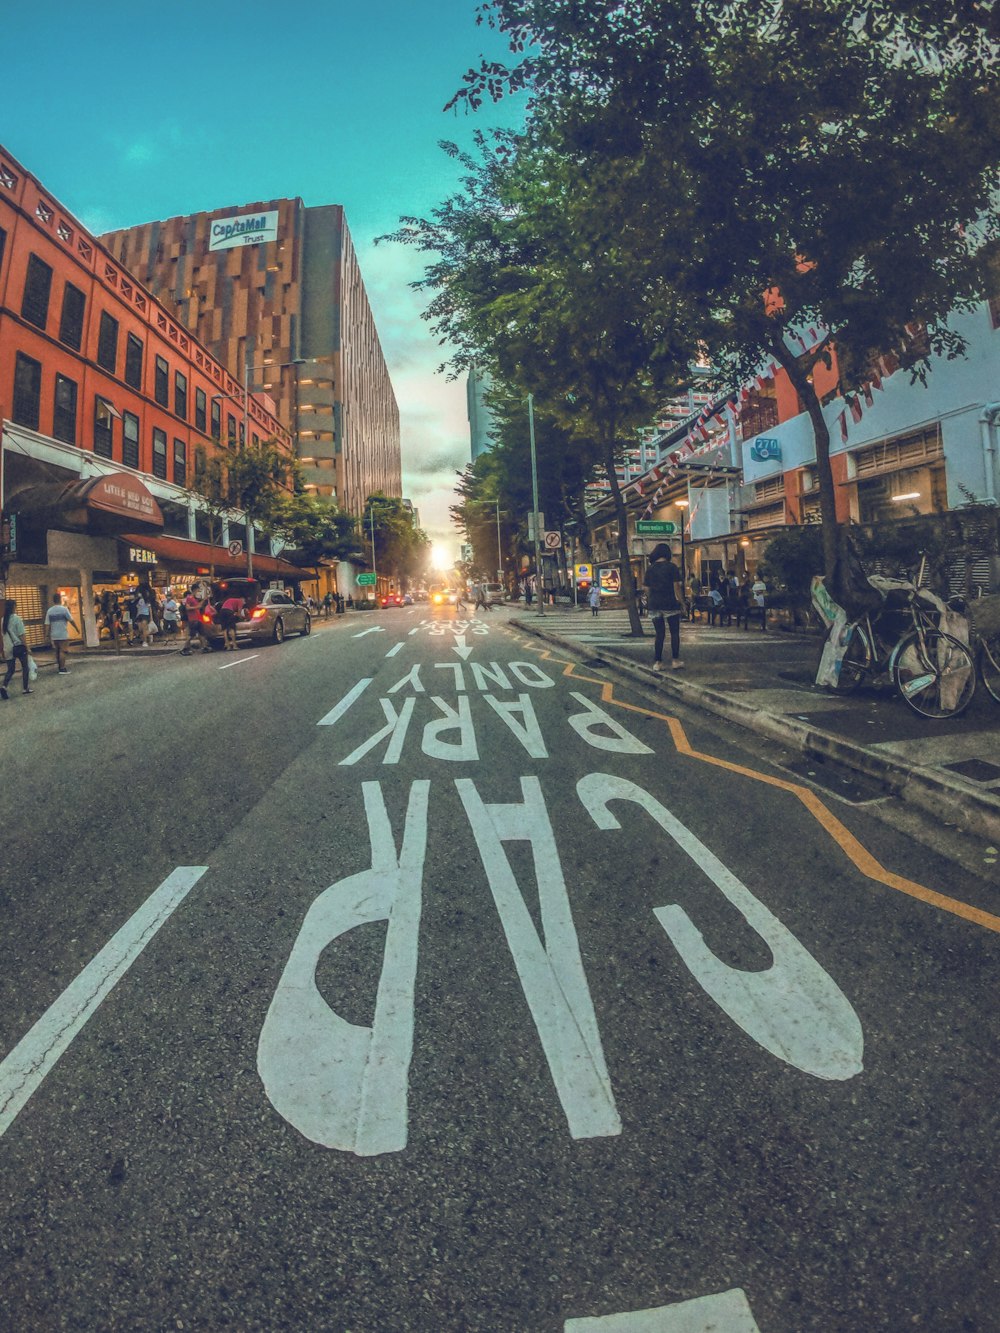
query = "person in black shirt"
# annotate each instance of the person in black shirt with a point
(663, 581)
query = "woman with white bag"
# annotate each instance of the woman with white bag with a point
(14, 648)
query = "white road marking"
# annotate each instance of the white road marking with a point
(521, 719)
(239, 661)
(393, 651)
(375, 629)
(586, 726)
(727, 1312)
(395, 727)
(339, 1084)
(338, 710)
(794, 1008)
(464, 750)
(36, 1053)
(551, 974)
(461, 647)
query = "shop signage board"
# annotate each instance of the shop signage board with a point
(763, 449)
(648, 527)
(611, 580)
(584, 571)
(366, 580)
(244, 229)
(138, 555)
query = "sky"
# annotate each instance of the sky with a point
(129, 113)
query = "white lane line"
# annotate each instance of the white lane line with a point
(239, 662)
(33, 1057)
(393, 651)
(338, 710)
(375, 629)
(727, 1312)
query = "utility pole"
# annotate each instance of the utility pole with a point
(534, 500)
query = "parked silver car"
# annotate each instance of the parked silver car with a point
(269, 615)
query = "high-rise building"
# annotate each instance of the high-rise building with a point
(275, 291)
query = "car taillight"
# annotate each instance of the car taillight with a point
(258, 613)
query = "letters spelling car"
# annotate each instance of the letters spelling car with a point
(269, 613)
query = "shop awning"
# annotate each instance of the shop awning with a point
(105, 505)
(187, 556)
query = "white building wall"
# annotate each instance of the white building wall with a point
(954, 396)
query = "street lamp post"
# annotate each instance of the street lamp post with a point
(371, 525)
(682, 505)
(534, 501)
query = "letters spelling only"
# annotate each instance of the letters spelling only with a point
(345, 1086)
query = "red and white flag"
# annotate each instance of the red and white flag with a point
(842, 422)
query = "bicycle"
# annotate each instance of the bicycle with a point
(934, 672)
(984, 627)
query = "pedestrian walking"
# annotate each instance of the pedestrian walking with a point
(594, 598)
(57, 623)
(460, 598)
(171, 613)
(529, 591)
(327, 605)
(15, 650)
(663, 581)
(141, 616)
(479, 591)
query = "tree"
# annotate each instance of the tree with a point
(836, 156)
(401, 549)
(259, 477)
(212, 494)
(314, 529)
(540, 278)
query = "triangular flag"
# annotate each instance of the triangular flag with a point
(842, 420)
(855, 407)
(866, 389)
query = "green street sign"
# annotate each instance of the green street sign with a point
(366, 580)
(653, 528)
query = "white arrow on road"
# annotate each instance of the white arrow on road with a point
(461, 647)
(375, 629)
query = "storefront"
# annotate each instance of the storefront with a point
(61, 536)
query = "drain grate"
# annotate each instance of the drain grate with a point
(595, 662)
(976, 770)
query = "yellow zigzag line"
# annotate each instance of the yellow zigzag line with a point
(844, 838)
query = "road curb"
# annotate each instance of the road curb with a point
(948, 799)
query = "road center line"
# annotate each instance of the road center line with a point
(239, 662)
(34, 1056)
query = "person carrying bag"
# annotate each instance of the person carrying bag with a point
(15, 650)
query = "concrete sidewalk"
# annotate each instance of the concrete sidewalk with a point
(764, 681)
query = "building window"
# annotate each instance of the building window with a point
(71, 320)
(130, 439)
(231, 430)
(216, 420)
(107, 343)
(37, 287)
(133, 361)
(180, 463)
(159, 453)
(27, 391)
(104, 426)
(200, 408)
(161, 383)
(64, 410)
(760, 413)
(180, 395)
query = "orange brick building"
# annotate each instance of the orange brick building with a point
(275, 290)
(108, 404)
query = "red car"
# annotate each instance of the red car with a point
(392, 599)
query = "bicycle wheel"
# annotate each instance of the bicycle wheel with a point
(935, 674)
(856, 663)
(989, 666)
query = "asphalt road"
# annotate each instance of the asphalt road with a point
(395, 979)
